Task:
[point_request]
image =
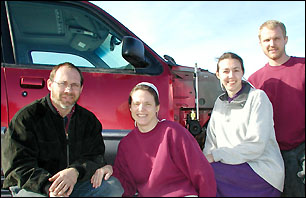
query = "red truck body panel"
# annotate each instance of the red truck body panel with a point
(105, 94)
(89, 33)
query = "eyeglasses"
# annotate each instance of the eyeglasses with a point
(64, 85)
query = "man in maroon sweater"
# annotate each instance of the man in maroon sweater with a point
(283, 80)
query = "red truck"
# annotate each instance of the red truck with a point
(35, 36)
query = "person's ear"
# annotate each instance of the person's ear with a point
(49, 84)
(157, 109)
(218, 75)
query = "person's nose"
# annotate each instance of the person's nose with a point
(68, 88)
(230, 74)
(140, 107)
(272, 43)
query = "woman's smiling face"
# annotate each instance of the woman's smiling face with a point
(144, 110)
(230, 75)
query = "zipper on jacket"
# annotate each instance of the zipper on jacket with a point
(67, 140)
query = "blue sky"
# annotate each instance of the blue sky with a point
(201, 31)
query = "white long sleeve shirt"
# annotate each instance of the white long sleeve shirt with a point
(243, 131)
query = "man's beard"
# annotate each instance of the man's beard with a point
(65, 105)
(276, 56)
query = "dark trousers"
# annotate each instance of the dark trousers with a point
(293, 159)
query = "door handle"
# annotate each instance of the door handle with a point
(32, 82)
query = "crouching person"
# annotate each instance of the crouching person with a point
(53, 146)
(241, 143)
(160, 158)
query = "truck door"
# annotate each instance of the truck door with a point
(44, 34)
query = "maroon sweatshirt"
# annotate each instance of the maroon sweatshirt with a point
(285, 87)
(166, 161)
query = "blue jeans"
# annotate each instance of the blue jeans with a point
(108, 188)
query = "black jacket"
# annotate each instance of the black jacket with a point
(35, 145)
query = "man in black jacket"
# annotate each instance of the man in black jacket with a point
(53, 146)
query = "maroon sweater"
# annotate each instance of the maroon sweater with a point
(285, 87)
(166, 161)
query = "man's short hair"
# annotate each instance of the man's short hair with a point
(67, 64)
(272, 24)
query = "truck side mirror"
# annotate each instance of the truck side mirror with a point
(133, 52)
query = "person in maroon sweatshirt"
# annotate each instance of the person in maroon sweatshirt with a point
(283, 80)
(160, 157)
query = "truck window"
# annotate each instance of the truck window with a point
(56, 58)
(51, 33)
